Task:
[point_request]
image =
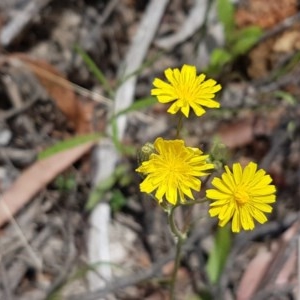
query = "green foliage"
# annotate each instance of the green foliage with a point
(117, 200)
(96, 71)
(286, 97)
(148, 63)
(65, 182)
(139, 104)
(238, 41)
(291, 64)
(68, 144)
(105, 189)
(219, 154)
(219, 253)
(244, 39)
(225, 12)
(291, 129)
(100, 190)
(218, 59)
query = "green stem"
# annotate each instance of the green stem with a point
(180, 238)
(179, 126)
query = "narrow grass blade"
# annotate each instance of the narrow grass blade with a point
(67, 144)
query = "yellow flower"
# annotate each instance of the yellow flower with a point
(187, 90)
(173, 171)
(243, 195)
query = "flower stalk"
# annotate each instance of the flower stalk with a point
(180, 238)
(179, 126)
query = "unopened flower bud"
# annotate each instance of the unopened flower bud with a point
(145, 152)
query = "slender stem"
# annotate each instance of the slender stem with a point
(179, 126)
(180, 238)
(178, 234)
(176, 267)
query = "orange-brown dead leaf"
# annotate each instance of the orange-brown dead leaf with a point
(237, 134)
(242, 132)
(61, 91)
(288, 269)
(278, 263)
(265, 14)
(36, 177)
(253, 275)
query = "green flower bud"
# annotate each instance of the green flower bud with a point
(145, 152)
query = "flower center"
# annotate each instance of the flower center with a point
(174, 168)
(184, 93)
(241, 196)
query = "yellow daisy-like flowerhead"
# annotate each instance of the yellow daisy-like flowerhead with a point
(172, 171)
(187, 90)
(242, 195)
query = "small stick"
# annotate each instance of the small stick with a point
(35, 259)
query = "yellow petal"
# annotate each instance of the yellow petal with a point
(267, 190)
(199, 111)
(263, 207)
(216, 195)
(258, 215)
(246, 219)
(264, 199)
(236, 223)
(228, 180)
(214, 211)
(249, 172)
(237, 173)
(220, 185)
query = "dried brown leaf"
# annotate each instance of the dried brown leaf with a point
(237, 134)
(36, 177)
(289, 41)
(287, 269)
(61, 91)
(265, 14)
(253, 275)
(265, 267)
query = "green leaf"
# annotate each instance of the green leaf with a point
(117, 200)
(219, 153)
(246, 39)
(115, 135)
(249, 31)
(65, 183)
(148, 63)
(218, 59)
(123, 175)
(219, 253)
(121, 170)
(96, 71)
(143, 103)
(68, 144)
(286, 97)
(139, 104)
(100, 190)
(225, 10)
